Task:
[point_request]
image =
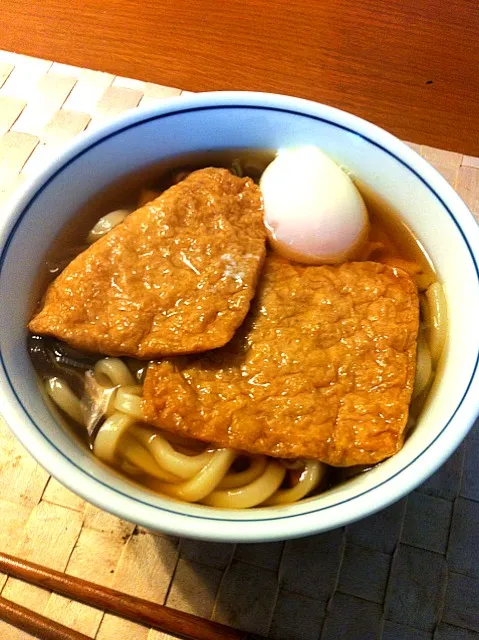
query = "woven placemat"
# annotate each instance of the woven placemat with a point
(410, 572)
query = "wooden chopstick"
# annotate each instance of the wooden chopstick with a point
(150, 614)
(36, 624)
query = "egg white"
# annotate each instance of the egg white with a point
(313, 211)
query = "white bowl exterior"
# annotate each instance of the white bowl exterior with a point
(227, 120)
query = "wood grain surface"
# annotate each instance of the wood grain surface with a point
(408, 65)
(408, 572)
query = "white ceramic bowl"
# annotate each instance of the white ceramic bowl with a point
(428, 204)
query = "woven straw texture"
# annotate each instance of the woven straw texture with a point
(410, 572)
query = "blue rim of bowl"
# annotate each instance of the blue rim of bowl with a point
(221, 107)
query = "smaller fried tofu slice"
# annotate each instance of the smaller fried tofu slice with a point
(177, 276)
(322, 368)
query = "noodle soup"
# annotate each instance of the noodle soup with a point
(100, 398)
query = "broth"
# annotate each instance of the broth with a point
(392, 241)
(125, 192)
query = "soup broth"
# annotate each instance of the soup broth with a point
(390, 242)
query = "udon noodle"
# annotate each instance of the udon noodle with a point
(110, 411)
(180, 468)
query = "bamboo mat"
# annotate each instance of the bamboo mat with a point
(410, 572)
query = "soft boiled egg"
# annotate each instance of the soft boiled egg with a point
(313, 211)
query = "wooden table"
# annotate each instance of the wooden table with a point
(408, 65)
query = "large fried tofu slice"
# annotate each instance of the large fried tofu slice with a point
(322, 368)
(177, 276)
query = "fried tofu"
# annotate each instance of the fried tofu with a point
(323, 368)
(177, 276)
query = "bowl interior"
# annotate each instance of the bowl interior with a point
(380, 162)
